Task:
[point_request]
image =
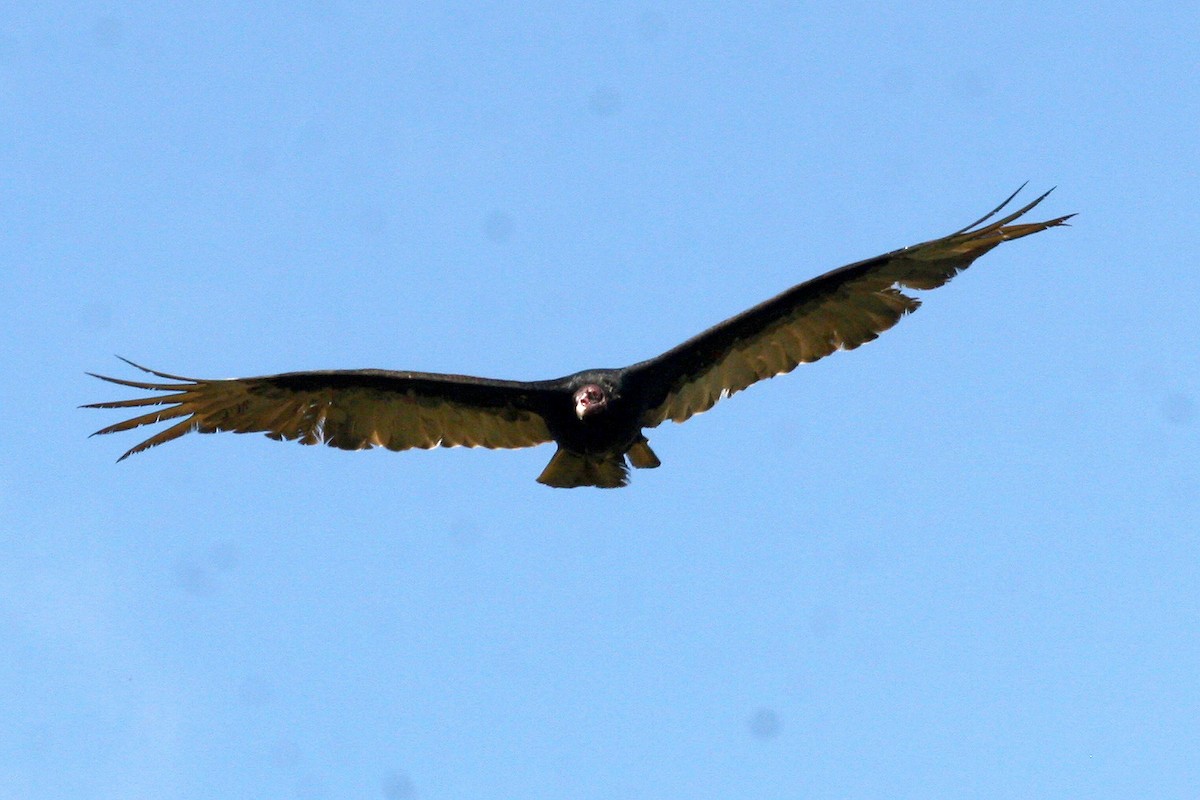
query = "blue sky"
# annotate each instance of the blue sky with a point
(959, 562)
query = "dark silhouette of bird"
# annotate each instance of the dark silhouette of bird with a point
(596, 417)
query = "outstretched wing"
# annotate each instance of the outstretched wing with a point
(839, 310)
(352, 410)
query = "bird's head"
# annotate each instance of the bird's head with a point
(589, 399)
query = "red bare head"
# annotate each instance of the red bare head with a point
(589, 399)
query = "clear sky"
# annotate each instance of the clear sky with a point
(959, 562)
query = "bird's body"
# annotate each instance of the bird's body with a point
(596, 416)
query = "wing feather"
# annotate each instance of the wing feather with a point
(840, 310)
(351, 410)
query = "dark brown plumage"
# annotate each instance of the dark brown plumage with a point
(596, 417)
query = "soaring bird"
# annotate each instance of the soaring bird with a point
(596, 416)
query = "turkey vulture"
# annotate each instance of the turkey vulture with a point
(596, 416)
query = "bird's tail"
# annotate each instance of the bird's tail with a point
(568, 470)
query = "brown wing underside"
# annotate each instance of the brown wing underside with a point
(840, 310)
(351, 410)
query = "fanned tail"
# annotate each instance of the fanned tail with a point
(568, 470)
